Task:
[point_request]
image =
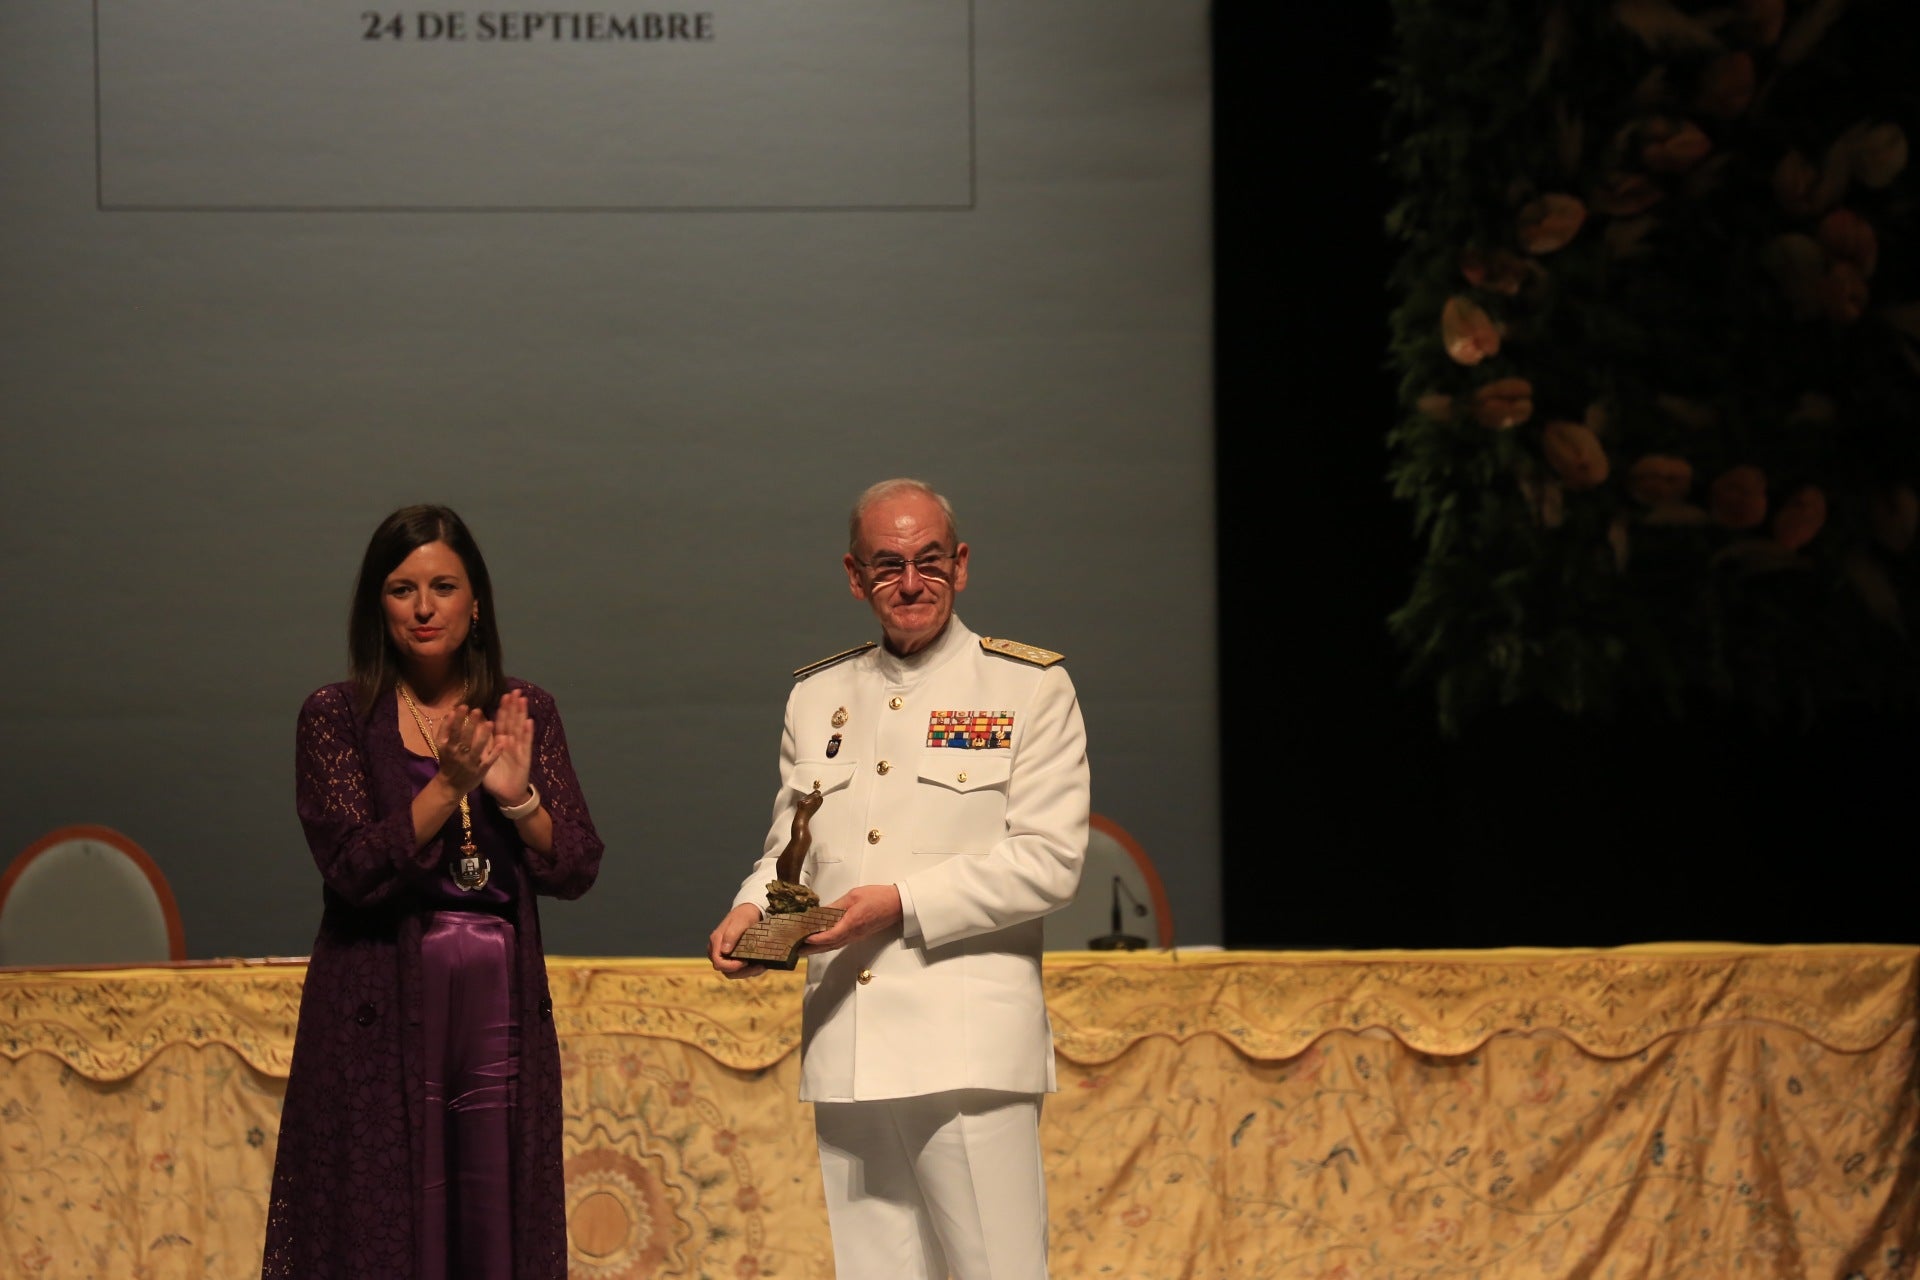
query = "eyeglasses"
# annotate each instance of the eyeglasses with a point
(884, 571)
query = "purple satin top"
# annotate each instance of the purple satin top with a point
(495, 837)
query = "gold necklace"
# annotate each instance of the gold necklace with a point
(470, 871)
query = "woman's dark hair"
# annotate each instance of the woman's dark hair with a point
(372, 663)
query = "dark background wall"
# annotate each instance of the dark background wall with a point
(205, 412)
(1349, 821)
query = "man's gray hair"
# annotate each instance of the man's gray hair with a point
(893, 489)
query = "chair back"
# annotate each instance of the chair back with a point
(87, 895)
(1118, 875)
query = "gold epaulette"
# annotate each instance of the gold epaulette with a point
(1025, 652)
(824, 663)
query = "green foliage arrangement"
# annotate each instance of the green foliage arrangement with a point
(1657, 323)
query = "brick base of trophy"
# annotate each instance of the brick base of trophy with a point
(775, 940)
(793, 910)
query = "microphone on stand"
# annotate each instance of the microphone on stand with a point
(1118, 940)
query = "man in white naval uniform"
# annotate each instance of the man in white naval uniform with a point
(953, 772)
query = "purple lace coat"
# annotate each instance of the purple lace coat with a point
(348, 1172)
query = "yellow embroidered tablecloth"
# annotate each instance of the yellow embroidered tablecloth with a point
(1687, 1109)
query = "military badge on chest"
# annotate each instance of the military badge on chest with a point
(970, 730)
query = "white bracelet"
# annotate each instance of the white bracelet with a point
(525, 808)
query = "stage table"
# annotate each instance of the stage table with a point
(1685, 1109)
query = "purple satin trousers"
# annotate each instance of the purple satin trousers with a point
(472, 1059)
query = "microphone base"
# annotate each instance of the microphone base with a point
(1117, 942)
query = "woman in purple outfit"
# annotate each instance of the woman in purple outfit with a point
(421, 1131)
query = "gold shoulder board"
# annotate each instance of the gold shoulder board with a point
(826, 662)
(1025, 652)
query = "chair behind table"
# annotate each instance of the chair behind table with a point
(87, 895)
(1086, 923)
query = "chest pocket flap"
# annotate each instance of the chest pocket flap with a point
(966, 771)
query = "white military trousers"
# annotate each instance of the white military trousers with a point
(945, 1184)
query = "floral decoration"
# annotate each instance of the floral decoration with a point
(1657, 325)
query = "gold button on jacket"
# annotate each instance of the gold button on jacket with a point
(866, 976)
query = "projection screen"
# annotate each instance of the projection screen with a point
(649, 295)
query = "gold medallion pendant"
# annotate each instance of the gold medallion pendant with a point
(470, 871)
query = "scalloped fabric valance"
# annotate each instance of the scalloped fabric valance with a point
(106, 1024)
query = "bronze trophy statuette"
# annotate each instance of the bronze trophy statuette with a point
(793, 910)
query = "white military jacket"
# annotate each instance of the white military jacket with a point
(959, 774)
